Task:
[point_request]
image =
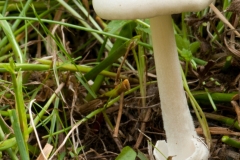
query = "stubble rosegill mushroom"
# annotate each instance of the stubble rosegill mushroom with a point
(182, 140)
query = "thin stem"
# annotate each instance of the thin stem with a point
(178, 123)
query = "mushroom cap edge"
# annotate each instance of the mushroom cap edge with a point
(134, 9)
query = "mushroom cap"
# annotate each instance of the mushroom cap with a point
(134, 9)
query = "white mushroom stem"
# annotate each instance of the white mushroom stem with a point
(182, 139)
(178, 123)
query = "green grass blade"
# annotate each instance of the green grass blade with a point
(115, 54)
(119, 48)
(17, 80)
(76, 27)
(8, 31)
(17, 87)
(4, 41)
(10, 152)
(22, 146)
(23, 12)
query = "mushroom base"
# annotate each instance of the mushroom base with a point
(201, 152)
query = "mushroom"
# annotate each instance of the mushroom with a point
(182, 140)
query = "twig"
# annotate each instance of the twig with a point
(221, 17)
(143, 126)
(237, 110)
(115, 133)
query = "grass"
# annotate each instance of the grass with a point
(51, 52)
